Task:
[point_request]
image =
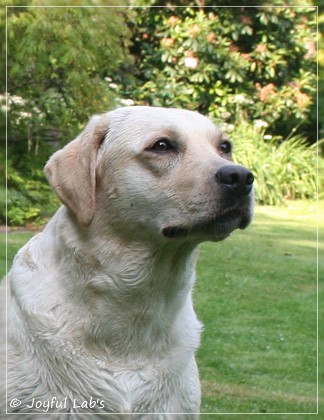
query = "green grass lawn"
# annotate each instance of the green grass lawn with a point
(256, 294)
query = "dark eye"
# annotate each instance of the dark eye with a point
(226, 147)
(162, 146)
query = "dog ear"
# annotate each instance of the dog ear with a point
(71, 171)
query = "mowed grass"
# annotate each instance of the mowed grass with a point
(256, 294)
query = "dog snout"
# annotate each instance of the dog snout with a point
(235, 178)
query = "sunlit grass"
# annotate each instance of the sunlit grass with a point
(256, 293)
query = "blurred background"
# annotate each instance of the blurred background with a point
(250, 69)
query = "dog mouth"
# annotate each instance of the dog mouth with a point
(174, 231)
(219, 227)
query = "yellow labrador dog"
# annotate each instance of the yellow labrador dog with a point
(100, 316)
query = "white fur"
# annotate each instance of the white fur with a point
(100, 302)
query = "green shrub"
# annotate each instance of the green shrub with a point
(282, 169)
(59, 65)
(2, 204)
(208, 59)
(233, 64)
(18, 216)
(29, 199)
(320, 184)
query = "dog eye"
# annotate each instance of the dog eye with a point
(226, 147)
(162, 146)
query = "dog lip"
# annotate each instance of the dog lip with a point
(245, 221)
(221, 224)
(228, 215)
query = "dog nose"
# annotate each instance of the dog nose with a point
(236, 178)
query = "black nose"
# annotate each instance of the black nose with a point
(236, 178)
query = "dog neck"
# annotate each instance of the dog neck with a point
(128, 286)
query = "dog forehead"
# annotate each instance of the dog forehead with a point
(138, 123)
(150, 116)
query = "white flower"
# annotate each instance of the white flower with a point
(229, 127)
(191, 62)
(267, 137)
(226, 115)
(226, 127)
(126, 102)
(260, 124)
(240, 99)
(25, 114)
(16, 100)
(113, 86)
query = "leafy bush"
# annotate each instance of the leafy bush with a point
(233, 64)
(206, 59)
(2, 204)
(59, 73)
(282, 169)
(59, 60)
(29, 198)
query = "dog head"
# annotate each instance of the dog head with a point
(151, 172)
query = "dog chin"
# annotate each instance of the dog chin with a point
(215, 229)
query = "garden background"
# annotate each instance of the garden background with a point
(250, 69)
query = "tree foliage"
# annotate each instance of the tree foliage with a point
(57, 63)
(60, 62)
